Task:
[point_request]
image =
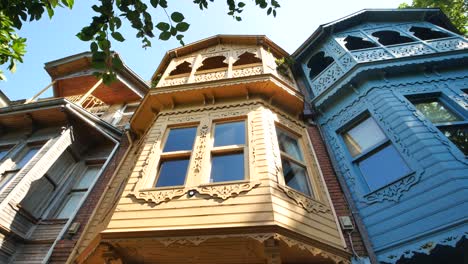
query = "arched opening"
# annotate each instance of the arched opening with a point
(246, 58)
(388, 37)
(213, 63)
(356, 43)
(318, 63)
(184, 67)
(425, 33)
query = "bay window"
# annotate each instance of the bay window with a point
(451, 122)
(373, 154)
(175, 157)
(293, 163)
(228, 152)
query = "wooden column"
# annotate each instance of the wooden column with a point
(34, 98)
(272, 251)
(90, 91)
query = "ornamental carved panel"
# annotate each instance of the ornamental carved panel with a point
(309, 204)
(327, 78)
(211, 76)
(226, 191)
(410, 50)
(450, 44)
(247, 71)
(371, 55)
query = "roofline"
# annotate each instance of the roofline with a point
(57, 103)
(207, 42)
(331, 25)
(86, 54)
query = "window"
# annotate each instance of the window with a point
(246, 58)
(425, 33)
(228, 152)
(183, 68)
(4, 151)
(175, 158)
(357, 43)
(318, 63)
(374, 155)
(389, 37)
(213, 63)
(451, 123)
(294, 168)
(21, 159)
(78, 191)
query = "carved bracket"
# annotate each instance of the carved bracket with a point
(394, 191)
(310, 205)
(226, 191)
(159, 196)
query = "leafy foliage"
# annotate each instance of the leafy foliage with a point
(456, 10)
(104, 27)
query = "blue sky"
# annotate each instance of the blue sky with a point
(49, 40)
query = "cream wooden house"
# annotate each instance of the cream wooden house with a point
(221, 169)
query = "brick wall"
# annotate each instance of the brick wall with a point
(65, 246)
(336, 193)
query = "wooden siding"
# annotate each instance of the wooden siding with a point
(262, 205)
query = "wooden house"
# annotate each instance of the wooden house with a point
(55, 155)
(222, 169)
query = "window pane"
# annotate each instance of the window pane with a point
(27, 156)
(180, 139)
(87, 178)
(458, 135)
(363, 136)
(228, 167)
(70, 205)
(5, 177)
(288, 144)
(295, 176)
(383, 167)
(436, 112)
(172, 172)
(229, 134)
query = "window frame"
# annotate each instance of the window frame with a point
(449, 104)
(174, 155)
(228, 149)
(315, 193)
(76, 176)
(380, 145)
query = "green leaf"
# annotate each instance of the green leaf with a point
(93, 47)
(238, 18)
(163, 26)
(177, 17)
(173, 31)
(241, 4)
(154, 3)
(182, 26)
(117, 36)
(163, 3)
(164, 35)
(179, 37)
(269, 11)
(104, 44)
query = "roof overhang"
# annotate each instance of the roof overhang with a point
(265, 86)
(433, 15)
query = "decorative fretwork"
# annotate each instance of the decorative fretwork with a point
(226, 191)
(371, 55)
(211, 76)
(174, 81)
(242, 72)
(200, 149)
(159, 196)
(410, 50)
(449, 44)
(327, 78)
(309, 204)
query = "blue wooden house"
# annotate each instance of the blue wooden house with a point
(389, 91)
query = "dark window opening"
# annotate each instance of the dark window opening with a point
(246, 58)
(356, 43)
(388, 37)
(427, 33)
(318, 63)
(184, 67)
(213, 63)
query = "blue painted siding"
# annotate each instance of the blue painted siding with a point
(429, 204)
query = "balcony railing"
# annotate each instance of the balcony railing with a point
(92, 104)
